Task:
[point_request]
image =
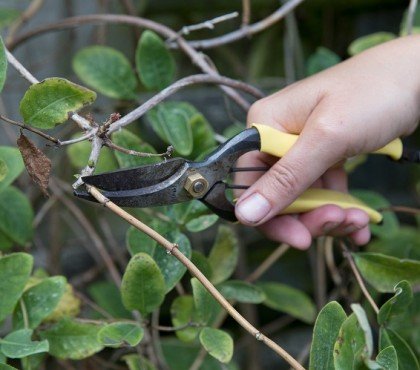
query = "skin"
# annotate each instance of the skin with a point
(355, 107)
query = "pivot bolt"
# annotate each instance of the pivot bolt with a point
(196, 185)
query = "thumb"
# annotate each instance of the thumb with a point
(313, 153)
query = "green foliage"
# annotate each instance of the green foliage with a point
(406, 357)
(143, 285)
(286, 299)
(3, 63)
(4, 170)
(384, 272)
(14, 163)
(118, 334)
(107, 71)
(155, 64)
(70, 339)
(396, 305)
(241, 291)
(14, 273)
(369, 41)
(217, 343)
(416, 22)
(8, 16)
(136, 362)
(327, 326)
(185, 317)
(18, 344)
(49, 102)
(201, 223)
(206, 306)
(224, 254)
(323, 58)
(387, 358)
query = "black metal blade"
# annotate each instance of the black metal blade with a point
(135, 178)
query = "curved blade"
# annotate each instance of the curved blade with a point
(135, 178)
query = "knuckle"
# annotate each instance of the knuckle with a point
(255, 111)
(284, 179)
(332, 136)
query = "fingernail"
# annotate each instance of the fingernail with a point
(329, 226)
(254, 208)
(350, 229)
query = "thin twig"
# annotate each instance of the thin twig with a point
(401, 209)
(173, 250)
(246, 12)
(173, 328)
(329, 260)
(92, 161)
(358, 277)
(410, 16)
(268, 262)
(196, 57)
(84, 137)
(29, 128)
(198, 360)
(245, 31)
(110, 144)
(320, 275)
(155, 336)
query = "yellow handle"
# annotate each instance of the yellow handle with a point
(277, 143)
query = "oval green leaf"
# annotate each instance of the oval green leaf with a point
(107, 71)
(154, 62)
(217, 343)
(143, 286)
(128, 140)
(4, 170)
(120, 333)
(16, 215)
(14, 273)
(202, 263)
(284, 298)
(73, 340)
(323, 58)
(241, 291)
(171, 122)
(40, 301)
(49, 102)
(384, 272)
(137, 362)
(223, 256)
(3, 64)
(396, 305)
(327, 326)
(201, 223)
(185, 316)
(107, 296)
(13, 160)
(18, 344)
(369, 41)
(207, 307)
(387, 358)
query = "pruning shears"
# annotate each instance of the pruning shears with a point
(179, 180)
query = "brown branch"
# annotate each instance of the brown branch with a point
(245, 31)
(173, 250)
(110, 144)
(358, 277)
(196, 57)
(401, 209)
(246, 12)
(29, 128)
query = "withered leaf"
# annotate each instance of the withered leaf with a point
(36, 162)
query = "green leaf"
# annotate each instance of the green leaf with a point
(8, 16)
(14, 163)
(143, 286)
(107, 296)
(16, 215)
(384, 272)
(369, 41)
(241, 291)
(68, 306)
(14, 273)
(49, 102)
(107, 71)
(201, 223)
(3, 64)
(407, 359)
(207, 307)
(323, 58)
(388, 359)
(224, 254)
(5, 242)
(40, 301)
(4, 170)
(326, 329)
(284, 298)
(202, 263)
(397, 305)
(233, 130)
(416, 22)
(79, 155)
(171, 122)
(136, 362)
(364, 325)
(73, 340)
(183, 312)
(7, 367)
(203, 135)
(350, 347)
(120, 333)
(217, 343)
(182, 213)
(128, 140)
(154, 62)
(18, 344)
(390, 224)
(139, 242)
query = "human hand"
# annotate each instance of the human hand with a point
(355, 107)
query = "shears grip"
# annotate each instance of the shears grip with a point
(277, 143)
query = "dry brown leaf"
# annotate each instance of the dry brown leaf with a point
(36, 162)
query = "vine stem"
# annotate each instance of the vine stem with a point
(172, 249)
(358, 277)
